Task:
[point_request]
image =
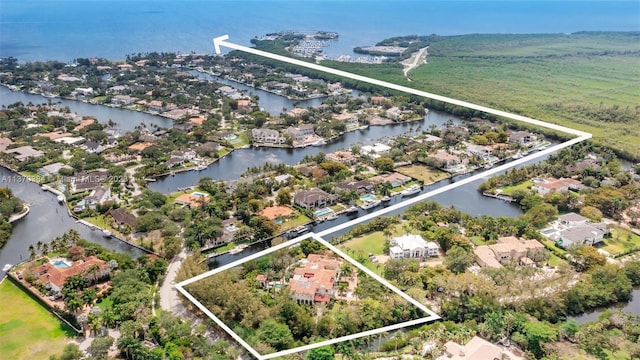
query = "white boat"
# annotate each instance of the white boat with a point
(352, 210)
(106, 233)
(413, 189)
(238, 249)
(370, 204)
(201, 167)
(60, 198)
(386, 199)
(301, 229)
(42, 187)
(517, 156)
(319, 143)
(332, 217)
(7, 267)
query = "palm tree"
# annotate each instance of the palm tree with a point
(32, 252)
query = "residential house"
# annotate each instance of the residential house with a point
(244, 105)
(448, 161)
(276, 213)
(376, 150)
(297, 112)
(522, 137)
(395, 179)
(87, 181)
(122, 217)
(123, 100)
(360, 186)
(344, 157)
(412, 247)
(98, 196)
(93, 147)
(587, 234)
(184, 127)
(25, 153)
(551, 185)
(53, 277)
(156, 106)
(509, 249)
(193, 200)
(314, 198)
(267, 136)
(572, 219)
(315, 280)
(477, 349)
(52, 169)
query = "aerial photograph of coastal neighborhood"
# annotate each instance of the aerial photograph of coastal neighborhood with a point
(319, 179)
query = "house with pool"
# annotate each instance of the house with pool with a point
(56, 271)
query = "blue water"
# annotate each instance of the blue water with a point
(60, 264)
(323, 212)
(68, 29)
(367, 197)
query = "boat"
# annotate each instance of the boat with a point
(386, 199)
(517, 156)
(370, 204)
(201, 167)
(332, 217)
(7, 267)
(352, 210)
(238, 249)
(106, 233)
(301, 229)
(150, 180)
(42, 187)
(319, 143)
(411, 190)
(60, 198)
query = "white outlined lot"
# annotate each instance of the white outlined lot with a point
(580, 136)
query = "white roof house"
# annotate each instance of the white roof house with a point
(376, 150)
(412, 246)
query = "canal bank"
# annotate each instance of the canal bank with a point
(46, 220)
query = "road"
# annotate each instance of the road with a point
(420, 55)
(169, 299)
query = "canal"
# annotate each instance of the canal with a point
(46, 220)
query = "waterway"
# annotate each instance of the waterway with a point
(633, 306)
(46, 220)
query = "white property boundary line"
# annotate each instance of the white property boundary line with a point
(220, 41)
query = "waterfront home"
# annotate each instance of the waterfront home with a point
(315, 280)
(276, 213)
(87, 181)
(359, 186)
(522, 137)
(122, 218)
(448, 162)
(412, 247)
(54, 273)
(297, 112)
(93, 147)
(588, 234)
(314, 199)
(123, 100)
(52, 169)
(267, 136)
(395, 179)
(343, 157)
(552, 185)
(376, 150)
(507, 250)
(193, 200)
(99, 195)
(244, 105)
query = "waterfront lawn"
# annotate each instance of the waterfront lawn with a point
(523, 186)
(554, 260)
(423, 173)
(300, 219)
(28, 330)
(620, 241)
(362, 246)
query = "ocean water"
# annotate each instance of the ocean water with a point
(67, 29)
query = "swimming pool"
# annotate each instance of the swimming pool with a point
(59, 263)
(325, 211)
(366, 197)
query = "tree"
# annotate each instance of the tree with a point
(586, 257)
(592, 213)
(70, 352)
(275, 334)
(284, 197)
(321, 353)
(458, 259)
(383, 164)
(99, 347)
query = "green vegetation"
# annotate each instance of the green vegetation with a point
(587, 81)
(9, 205)
(28, 330)
(621, 240)
(372, 243)
(425, 174)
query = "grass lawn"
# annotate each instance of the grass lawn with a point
(28, 330)
(424, 173)
(372, 243)
(524, 186)
(555, 260)
(479, 241)
(300, 219)
(620, 241)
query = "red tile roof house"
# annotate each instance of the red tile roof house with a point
(316, 280)
(551, 185)
(54, 277)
